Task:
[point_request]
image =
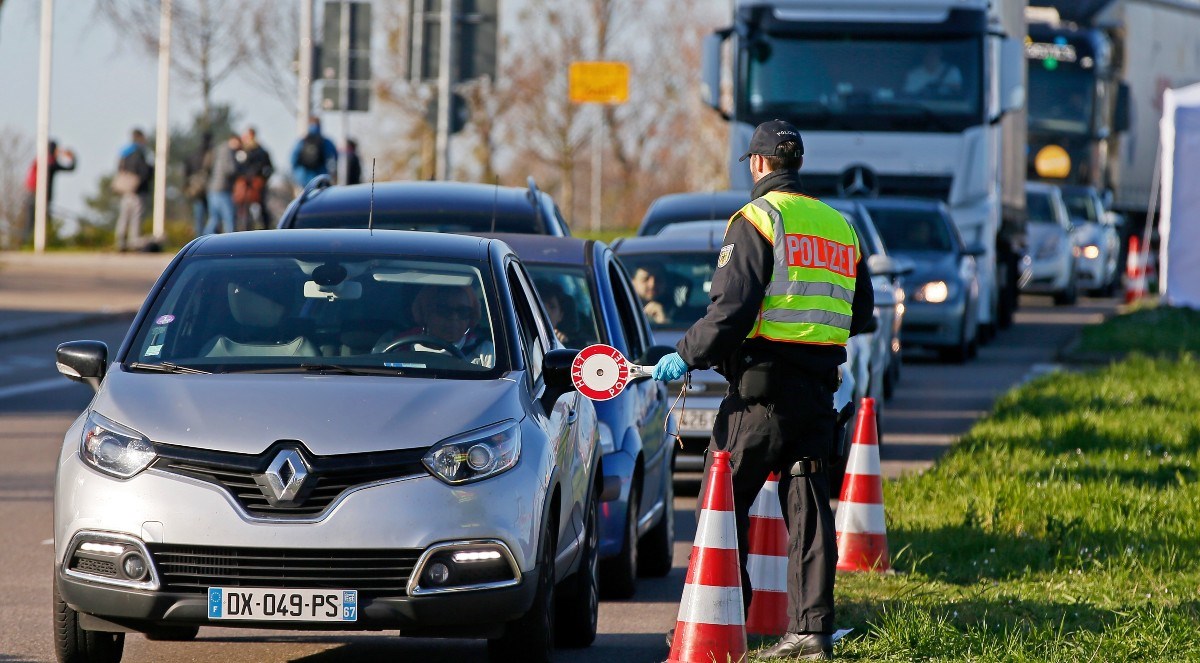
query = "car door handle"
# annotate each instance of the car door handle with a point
(572, 415)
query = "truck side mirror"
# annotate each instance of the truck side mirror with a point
(1121, 111)
(1012, 75)
(710, 69)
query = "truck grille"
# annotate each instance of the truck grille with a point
(193, 569)
(921, 186)
(241, 475)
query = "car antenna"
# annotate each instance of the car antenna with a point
(371, 209)
(495, 200)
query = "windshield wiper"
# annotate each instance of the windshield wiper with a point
(334, 368)
(167, 367)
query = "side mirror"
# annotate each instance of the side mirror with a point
(975, 250)
(888, 266)
(710, 70)
(556, 371)
(83, 361)
(1115, 219)
(1012, 75)
(1121, 109)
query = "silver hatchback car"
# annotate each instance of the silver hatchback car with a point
(331, 429)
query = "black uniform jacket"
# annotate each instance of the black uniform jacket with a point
(737, 292)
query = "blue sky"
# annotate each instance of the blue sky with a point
(104, 85)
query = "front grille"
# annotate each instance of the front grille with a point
(193, 569)
(95, 567)
(329, 476)
(922, 186)
(922, 327)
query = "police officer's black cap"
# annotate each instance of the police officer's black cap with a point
(770, 135)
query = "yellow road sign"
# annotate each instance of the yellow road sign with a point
(599, 82)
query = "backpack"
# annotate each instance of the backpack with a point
(312, 152)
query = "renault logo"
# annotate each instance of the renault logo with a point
(858, 182)
(285, 476)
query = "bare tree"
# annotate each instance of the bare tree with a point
(16, 152)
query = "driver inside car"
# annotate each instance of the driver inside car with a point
(447, 322)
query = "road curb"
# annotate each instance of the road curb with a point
(65, 322)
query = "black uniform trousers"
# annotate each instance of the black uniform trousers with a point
(796, 422)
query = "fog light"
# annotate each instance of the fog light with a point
(437, 573)
(133, 566)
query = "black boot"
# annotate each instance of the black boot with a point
(807, 646)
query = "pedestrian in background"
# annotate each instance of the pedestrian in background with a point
(313, 155)
(220, 186)
(57, 160)
(132, 183)
(254, 169)
(790, 288)
(197, 168)
(353, 164)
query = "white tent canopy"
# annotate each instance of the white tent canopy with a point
(1179, 226)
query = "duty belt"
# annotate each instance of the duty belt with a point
(807, 467)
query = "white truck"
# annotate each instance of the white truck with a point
(896, 98)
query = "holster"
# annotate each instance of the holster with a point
(841, 444)
(756, 383)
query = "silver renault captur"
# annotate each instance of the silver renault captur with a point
(330, 429)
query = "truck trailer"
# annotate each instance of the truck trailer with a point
(919, 98)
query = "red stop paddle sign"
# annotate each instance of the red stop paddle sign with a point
(601, 372)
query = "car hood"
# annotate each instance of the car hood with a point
(1088, 232)
(330, 414)
(930, 266)
(1039, 233)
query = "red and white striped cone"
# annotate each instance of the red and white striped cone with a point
(1135, 272)
(711, 625)
(767, 563)
(861, 533)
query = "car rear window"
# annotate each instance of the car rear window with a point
(290, 313)
(913, 230)
(449, 221)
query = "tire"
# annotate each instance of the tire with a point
(72, 644)
(1069, 295)
(174, 634)
(618, 576)
(656, 550)
(578, 607)
(531, 637)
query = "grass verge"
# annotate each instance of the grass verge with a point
(1064, 527)
(1152, 330)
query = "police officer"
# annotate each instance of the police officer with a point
(790, 288)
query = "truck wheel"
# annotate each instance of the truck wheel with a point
(579, 607)
(531, 638)
(72, 644)
(657, 549)
(618, 576)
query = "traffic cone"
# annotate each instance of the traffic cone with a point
(1135, 272)
(861, 534)
(711, 625)
(767, 562)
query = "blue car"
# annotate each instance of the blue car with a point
(589, 297)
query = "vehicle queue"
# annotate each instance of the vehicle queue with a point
(348, 309)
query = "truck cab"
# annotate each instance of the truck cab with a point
(893, 98)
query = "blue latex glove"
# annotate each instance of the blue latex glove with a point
(670, 367)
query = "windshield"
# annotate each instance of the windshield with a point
(285, 313)
(430, 221)
(913, 230)
(1081, 205)
(858, 83)
(1060, 97)
(1039, 207)
(673, 287)
(567, 295)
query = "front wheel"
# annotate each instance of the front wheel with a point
(618, 576)
(72, 644)
(579, 606)
(531, 638)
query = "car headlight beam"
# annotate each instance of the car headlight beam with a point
(1091, 252)
(114, 449)
(475, 455)
(934, 292)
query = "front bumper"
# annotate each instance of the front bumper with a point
(928, 324)
(476, 613)
(1051, 276)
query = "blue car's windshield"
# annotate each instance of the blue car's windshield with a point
(335, 313)
(913, 230)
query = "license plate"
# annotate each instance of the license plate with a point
(283, 605)
(697, 420)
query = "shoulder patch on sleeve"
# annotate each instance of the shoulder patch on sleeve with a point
(723, 258)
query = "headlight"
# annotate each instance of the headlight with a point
(113, 448)
(1048, 249)
(607, 443)
(934, 292)
(477, 454)
(1091, 252)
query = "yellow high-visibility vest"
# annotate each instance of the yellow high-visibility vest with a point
(811, 293)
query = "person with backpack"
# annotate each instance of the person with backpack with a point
(132, 182)
(313, 155)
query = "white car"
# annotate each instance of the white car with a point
(1050, 246)
(1097, 240)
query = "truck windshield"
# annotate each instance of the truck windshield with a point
(1060, 97)
(851, 82)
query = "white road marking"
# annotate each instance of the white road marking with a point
(48, 542)
(33, 387)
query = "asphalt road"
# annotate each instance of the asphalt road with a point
(934, 403)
